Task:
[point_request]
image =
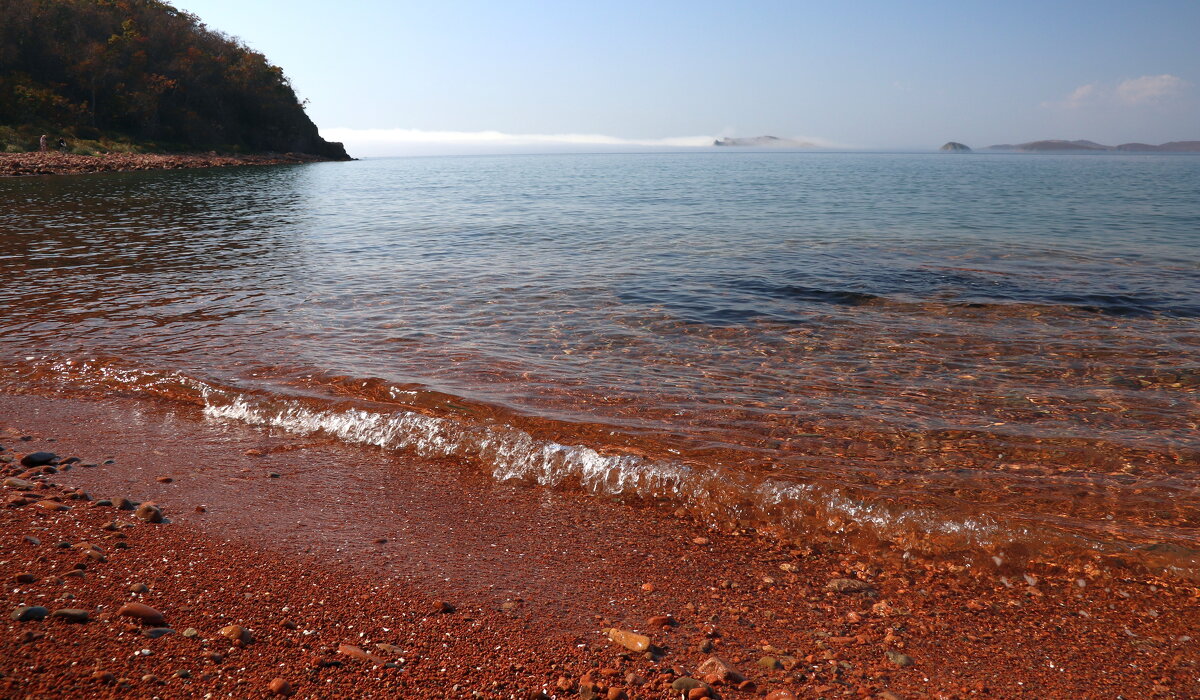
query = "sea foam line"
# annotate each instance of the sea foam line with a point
(512, 454)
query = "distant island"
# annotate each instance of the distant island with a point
(955, 147)
(763, 142)
(141, 77)
(1059, 145)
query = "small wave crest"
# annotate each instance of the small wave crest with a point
(512, 454)
(816, 511)
(508, 453)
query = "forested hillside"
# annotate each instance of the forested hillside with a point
(147, 71)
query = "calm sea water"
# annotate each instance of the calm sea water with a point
(996, 352)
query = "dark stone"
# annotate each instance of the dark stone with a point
(38, 459)
(72, 615)
(30, 613)
(149, 513)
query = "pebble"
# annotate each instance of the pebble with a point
(191, 632)
(72, 615)
(22, 484)
(38, 459)
(52, 506)
(164, 479)
(102, 503)
(139, 588)
(698, 693)
(685, 684)
(273, 475)
(237, 633)
(901, 660)
(149, 513)
(142, 612)
(660, 621)
(29, 613)
(443, 607)
(156, 632)
(30, 539)
(770, 663)
(848, 585)
(782, 694)
(278, 686)
(701, 540)
(357, 653)
(389, 648)
(124, 504)
(25, 578)
(720, 668)
(630, 640)
(182, 673)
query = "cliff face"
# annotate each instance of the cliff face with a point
(148, 71)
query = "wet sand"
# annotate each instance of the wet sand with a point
(54, 163)
(479, 589)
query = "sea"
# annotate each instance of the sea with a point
(995, 354)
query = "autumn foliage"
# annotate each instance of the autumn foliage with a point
(144, 69)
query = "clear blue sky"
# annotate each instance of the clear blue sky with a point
(870, 74)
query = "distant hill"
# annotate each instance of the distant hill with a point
(144, 71)
(764, 141)
(1085, 146)
(1171, 147)
(955, 147)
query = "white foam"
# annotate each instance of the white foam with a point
(512, 454)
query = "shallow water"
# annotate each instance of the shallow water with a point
(989, 352)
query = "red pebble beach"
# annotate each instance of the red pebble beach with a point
(304, 566)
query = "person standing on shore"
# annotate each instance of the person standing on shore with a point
(42, 143)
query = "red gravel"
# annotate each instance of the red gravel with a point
(353, 547)
(55, 163)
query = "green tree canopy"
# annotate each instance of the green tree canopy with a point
(147, 70)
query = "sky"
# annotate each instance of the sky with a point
(393, 77)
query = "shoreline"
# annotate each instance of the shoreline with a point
(371, 543)
(56, 163)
